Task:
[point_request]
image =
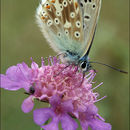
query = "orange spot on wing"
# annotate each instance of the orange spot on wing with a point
(43, 17)
(76, 4)
(48, 6)
(53, 1)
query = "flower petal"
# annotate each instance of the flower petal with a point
(34, 65)
(8, 84)
(96, 124)
(54, 101)
(68, 123)
(53, 125)
(25, 71)
(92, 109)
(27, 104)
(68, 106)
(17, 77)
(13, 73)
(42, 115)
(84, 125)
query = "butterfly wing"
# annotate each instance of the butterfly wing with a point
(61, 23)
(68, 26)
(90, 14)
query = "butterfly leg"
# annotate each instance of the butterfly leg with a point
(62, 70)
(82, 79)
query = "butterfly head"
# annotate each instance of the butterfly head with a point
(74, 59)
(84, 64)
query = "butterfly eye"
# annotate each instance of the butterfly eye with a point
(83, 66)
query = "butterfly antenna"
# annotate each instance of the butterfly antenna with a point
(122, 71)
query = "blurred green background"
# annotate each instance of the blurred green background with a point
(22, 39)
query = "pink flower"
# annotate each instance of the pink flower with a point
(58, 112)
(62, 88)
(91, 118)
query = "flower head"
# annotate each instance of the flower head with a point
(61, 87)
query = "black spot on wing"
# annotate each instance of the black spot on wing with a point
(87, 17)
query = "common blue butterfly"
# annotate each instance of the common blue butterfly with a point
(69, 27)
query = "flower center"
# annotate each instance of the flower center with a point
(58, 110)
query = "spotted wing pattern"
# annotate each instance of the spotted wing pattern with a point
(61, 23)
(90, 13)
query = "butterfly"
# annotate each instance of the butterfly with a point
(69, 27)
